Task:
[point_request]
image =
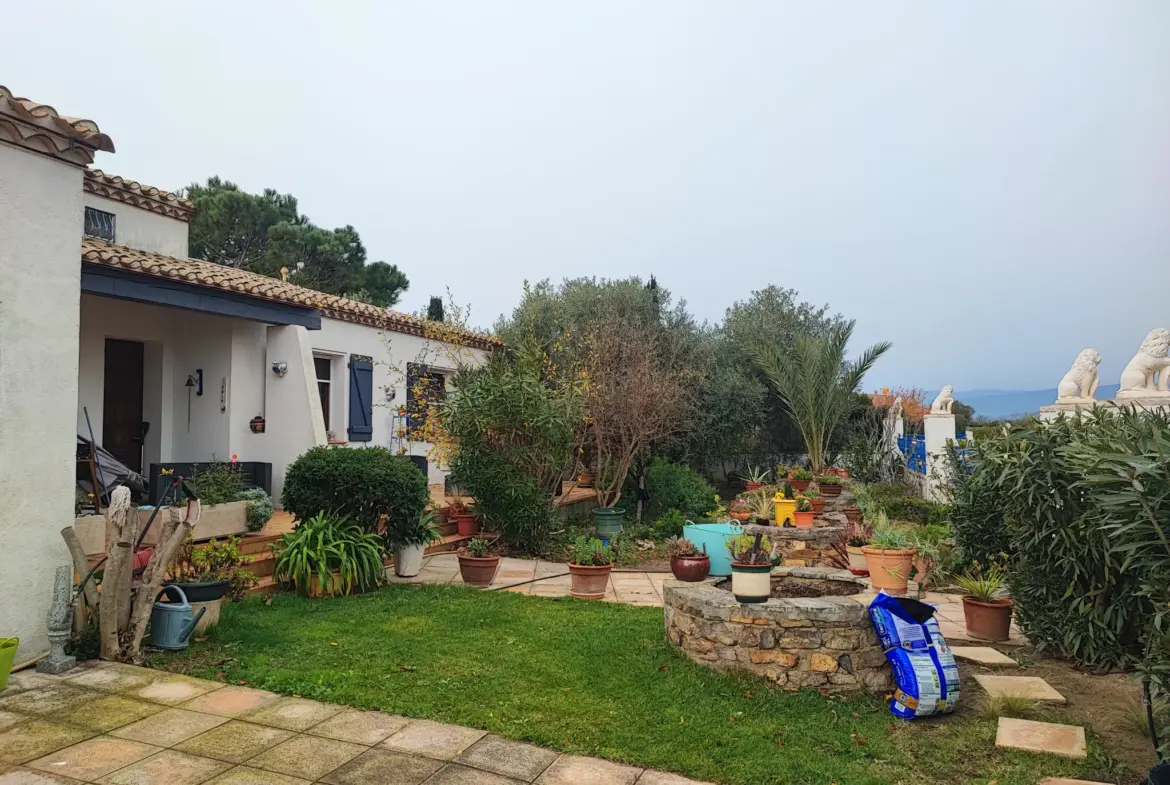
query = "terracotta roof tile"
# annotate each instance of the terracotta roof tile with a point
(40, 127)
(145, 196)
(218, 276)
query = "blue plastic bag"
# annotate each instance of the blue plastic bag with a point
(925, 672)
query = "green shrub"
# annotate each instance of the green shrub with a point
(323, 544)
(362, 484)
(673, 486)
(259, 510)
(590, 552)
(669, 525)
(219, 483)
(900, 504)
(977, 515)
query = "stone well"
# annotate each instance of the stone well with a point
(801, 547)
(822, 638)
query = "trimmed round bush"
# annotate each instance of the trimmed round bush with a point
(361, 484)
(259, 509)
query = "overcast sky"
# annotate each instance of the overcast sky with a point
(983, 183)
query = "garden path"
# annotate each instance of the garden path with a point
(120, 725)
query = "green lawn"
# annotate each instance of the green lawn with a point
(597, 679)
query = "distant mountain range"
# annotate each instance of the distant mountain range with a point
(1006, 404)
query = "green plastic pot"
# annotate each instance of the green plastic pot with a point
(7, 655)
(608, 520)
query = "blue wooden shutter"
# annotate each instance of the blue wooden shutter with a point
(361, 400)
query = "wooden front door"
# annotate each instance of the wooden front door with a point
(122, 406)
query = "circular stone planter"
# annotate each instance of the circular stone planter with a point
(814, 631)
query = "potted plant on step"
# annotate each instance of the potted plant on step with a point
(762, 507)
(813, 494)
(410, 544)
(751, 567)
(830, 486)
(209, 572)
(328, 555)
(801, 478)
(987, 608)
(589, 568)
(852, 514)
(755, 478)
(858, 535)
(888, 557)
(741, 510)
(785, 504)
(804, 517)
(687, 563)
(477, 564)
(465, 517)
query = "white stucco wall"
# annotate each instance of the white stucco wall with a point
(142, 229)
(40, 250)
(293, 418)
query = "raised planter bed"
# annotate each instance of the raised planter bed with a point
(220, 520)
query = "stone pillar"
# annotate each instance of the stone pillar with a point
(938, 430)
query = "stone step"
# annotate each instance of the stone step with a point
(983, 655)
(1065, 741)
(1030, 687)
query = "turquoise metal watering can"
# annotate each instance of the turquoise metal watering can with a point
(171, 623)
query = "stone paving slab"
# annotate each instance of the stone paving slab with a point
(1066, 781)
(575, 770)
(508, 758)
(1030, 687)
(983, 655)
(1066, 741)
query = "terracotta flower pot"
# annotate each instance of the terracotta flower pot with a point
(801, 485)
(830, 491)
(589, 583)
(754, 486)
(467, 523)
(818, 506)
(585, 479)
(741, 515)
(804, 520)
(853, 514)
(751, 583)
(889, 570)
(478, 570)
(857, 563)
(690, 568)
(989, 621)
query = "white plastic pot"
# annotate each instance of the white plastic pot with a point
(408, 560)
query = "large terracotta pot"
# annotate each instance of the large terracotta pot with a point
(989, 621)
(754, 486)
(853, 514)
(585, 480)
(741, 515)
(751, 583)
(467, 523)
(804, 520)
(478, 570)
(818, 505)
(800, 485)
(830, 491)
(690, 568)
(857, 563)
(589, 583)
(889, 570)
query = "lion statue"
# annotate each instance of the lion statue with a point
(942, 404)
(1080, 383)
(1138, 378)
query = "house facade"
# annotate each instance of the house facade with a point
(166, 359)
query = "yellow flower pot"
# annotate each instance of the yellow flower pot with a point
(785, 510)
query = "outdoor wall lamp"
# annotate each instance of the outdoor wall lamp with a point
(196, 380)
(280, 369)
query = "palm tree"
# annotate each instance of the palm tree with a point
(816, 382)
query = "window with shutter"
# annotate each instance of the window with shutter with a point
(361, 400)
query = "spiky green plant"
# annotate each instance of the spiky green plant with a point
(324, 544)
(816, 382)
(984, 585)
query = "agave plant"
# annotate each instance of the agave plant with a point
(323, 545)
(816, 382)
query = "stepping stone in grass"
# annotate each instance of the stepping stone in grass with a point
(982, 655)
(1065, 741)
(1030, 687)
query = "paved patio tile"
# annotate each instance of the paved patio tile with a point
(169, 727)
(168, 767)
(15, 776)
(113, 678)
(234, 741)
(106, 712)
(307, 756)
(38, 737)
(360, 727)
(663, 778)
(454, 774)
(295, 714)
(433, 739)
(245, 775)
(94, 758)
(47, 700)
(232, 701)
(10, 718)
(1031, 687)
(1066, 741)
(576, 770)
(384, 767)
(28, 680)
(982, 655)
(172, 690)
(1049, 781)
(510, 758)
